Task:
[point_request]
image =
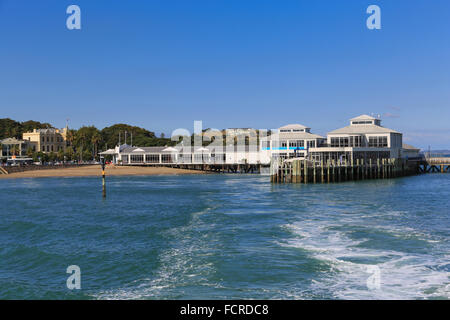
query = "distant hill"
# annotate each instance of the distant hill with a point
(88, 138)
(141, 137)
(10, 128)
(439, 151)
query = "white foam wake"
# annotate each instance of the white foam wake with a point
(402, 275)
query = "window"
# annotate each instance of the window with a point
(355, 141)
(342, 142)
(137, 158)
(201, 157)
(378, 142)
(362, 122)
(334, 142)
(292, 144)
(284, 144)
(166, 158)
(152, 158)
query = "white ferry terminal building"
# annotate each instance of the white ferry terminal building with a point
(364, 138)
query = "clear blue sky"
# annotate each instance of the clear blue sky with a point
(245, 63)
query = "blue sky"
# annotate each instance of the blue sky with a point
(246, 63)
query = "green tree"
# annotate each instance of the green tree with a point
(69, 153)
(60, 155)
(70, 137)
(14, 129)
(96, 138)
(52, 156)
(40, 156)
(141, 136)
(86, 141)
(15, 150)
(30, 152)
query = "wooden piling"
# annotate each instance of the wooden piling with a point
(328, 170)
(305, 166)
(314, 172)
(322, 178)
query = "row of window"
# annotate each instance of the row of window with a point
(50, 139)
(378, 142)
(353, 141)
(362, 122)
(292, 144)
(292, 130)
(357, 141)
(168, 158)
(49, 148)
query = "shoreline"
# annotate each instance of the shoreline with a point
(96, 171)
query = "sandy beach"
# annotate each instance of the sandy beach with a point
(95, 170)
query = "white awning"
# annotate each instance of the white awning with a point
(109, 151)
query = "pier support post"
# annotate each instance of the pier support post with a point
(363, 170)
(305, 166)
(314, 172)
(328, 170)
(353, 169)
(322, 178)
(333, 170)
(358, 169)
(378, 169)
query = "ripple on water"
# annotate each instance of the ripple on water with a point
(224, 236)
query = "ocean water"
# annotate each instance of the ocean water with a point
(225, 237)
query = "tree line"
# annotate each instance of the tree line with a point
(84, 143)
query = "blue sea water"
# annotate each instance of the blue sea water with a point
(225, 237)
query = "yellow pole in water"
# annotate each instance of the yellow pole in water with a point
(102, 162)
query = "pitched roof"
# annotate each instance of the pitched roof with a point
(129, 149)
(409, 147)
(293, 126)
(295, 135)
(363, 117)
(109, 151)
(11, 141)
(368, 128)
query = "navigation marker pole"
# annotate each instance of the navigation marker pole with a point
(102, 163)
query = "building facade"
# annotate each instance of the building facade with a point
(12, 147)
(364, 139)
(47, 140)
(290, 141)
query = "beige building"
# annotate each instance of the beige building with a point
(47, 140)
(12, 147)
